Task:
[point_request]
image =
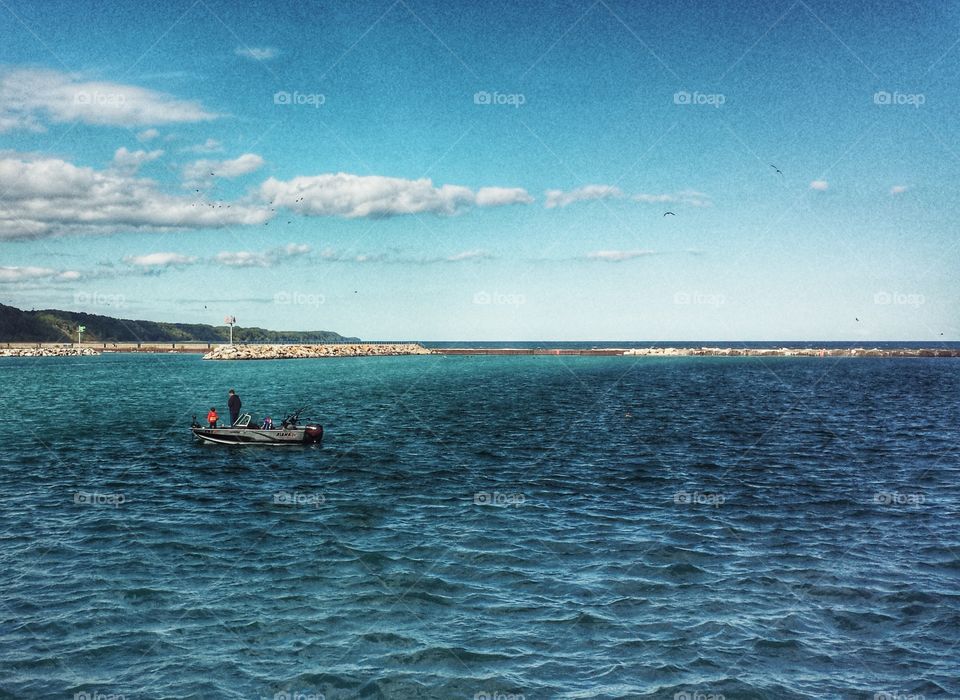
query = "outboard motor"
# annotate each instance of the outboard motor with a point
(313, 434)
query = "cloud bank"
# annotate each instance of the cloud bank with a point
(376, 196)
(29, 98)
(50, 196)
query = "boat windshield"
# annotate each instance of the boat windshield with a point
(243, 421)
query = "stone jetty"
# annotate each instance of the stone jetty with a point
(711, 352)
(792, 352)
(47, 352)
(291, 352)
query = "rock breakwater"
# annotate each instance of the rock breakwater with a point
(292, 352)
(46, 352)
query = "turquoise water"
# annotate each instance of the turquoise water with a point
(483, 527)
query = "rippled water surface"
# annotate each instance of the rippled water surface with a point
(481, 527)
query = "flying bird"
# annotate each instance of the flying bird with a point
(668, 213)
(779, 171)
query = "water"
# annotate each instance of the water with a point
(481, 527)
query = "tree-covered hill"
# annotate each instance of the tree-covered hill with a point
(51, 325)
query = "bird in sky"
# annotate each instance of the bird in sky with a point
(668, 213)
(778, 170)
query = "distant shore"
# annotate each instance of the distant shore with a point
(279, 352)
(298, 351)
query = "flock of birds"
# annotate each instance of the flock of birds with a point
(779, 172)
(776, 170)
(220, 206)
(266, 223)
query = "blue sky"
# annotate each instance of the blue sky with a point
(421, 170)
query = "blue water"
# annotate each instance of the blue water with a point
(483, 527)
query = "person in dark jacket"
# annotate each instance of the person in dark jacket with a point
(233, 403)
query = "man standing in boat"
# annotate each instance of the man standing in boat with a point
(233, 403)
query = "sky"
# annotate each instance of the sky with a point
(419, 170)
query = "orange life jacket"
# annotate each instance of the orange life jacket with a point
(212, 417)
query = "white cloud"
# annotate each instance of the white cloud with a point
(29, 97)
(898, 189)
(559, 198)
(367, 257)
(819, 185)
(130, 161)
(49, 196)
(618, 255)
(375, 196)
(25, 274)
(200, 171)
(468, 255)
(502, 196)
(208, 146)
(691, 197)
(257, 54)
(242, 258)
(394, 258)
(147, 135)
(159, 260)
(332, 255)
(267, 258)
(295, 249)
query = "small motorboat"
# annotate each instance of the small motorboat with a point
(289, 432)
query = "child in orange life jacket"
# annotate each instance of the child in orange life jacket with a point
(212, 417)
